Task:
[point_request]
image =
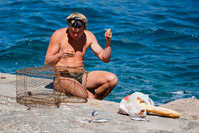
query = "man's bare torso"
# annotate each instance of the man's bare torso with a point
(78, 47)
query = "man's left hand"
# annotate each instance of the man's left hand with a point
(108, 34)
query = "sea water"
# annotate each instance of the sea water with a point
(155, 44)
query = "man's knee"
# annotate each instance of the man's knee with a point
(113, 78)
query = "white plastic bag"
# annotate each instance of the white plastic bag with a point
(130, 104)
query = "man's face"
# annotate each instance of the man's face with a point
(76, 33)
(76, 27)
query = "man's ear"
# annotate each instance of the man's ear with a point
(85, 26)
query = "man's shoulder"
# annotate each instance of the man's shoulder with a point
(59, 33)
(89, 33)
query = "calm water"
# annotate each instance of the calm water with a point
(155, 44)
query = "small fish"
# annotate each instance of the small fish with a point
(193, 97)
(99, 120)
(94, 113)
(139, 119)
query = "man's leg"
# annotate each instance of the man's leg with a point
(102, 82)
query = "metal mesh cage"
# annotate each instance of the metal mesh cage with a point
(46, 86)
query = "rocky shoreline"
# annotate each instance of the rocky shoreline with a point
(75, 117)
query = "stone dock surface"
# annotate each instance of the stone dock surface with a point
(75, 117)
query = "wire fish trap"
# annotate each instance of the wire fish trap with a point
(35, 87)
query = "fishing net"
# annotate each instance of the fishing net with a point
(49, 86)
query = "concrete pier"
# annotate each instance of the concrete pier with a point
(75, 117)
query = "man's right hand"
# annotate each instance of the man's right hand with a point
(66, 53)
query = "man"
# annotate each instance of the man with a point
(67, 48)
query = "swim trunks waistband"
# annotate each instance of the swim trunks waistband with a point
(77, 76)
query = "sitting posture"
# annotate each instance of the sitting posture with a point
(66, 52)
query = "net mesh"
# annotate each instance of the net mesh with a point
(47, 86)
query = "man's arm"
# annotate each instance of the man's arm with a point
(103, 54)
(53, 55)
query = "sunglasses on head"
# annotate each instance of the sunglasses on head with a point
(76, 22)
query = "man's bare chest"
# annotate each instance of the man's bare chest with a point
(75, 46)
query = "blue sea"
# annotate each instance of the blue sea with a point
(155, 43)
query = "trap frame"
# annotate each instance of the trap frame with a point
(35, 86)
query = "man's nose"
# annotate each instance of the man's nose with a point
(75, 29)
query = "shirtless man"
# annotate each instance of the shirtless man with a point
(67, 48)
